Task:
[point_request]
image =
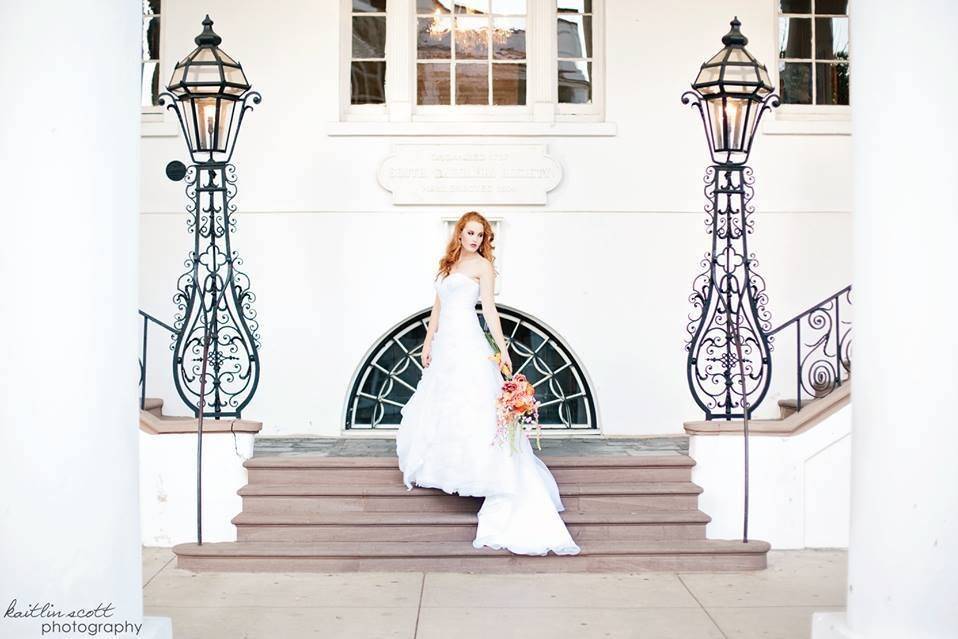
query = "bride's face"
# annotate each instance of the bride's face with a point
(471, 236)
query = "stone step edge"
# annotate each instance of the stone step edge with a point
(461, 518)
(434, 549)
(604, 461)
(399, 490)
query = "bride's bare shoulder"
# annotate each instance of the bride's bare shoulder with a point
(483, 265)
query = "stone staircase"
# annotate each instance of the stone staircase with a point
(311, 512)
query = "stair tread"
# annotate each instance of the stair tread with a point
(595, 461)
(448, 518)
(398, 489)
(151, 403)
(434, 549)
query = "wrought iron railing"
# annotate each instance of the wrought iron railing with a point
(823, 346)
(147, 319)
(727, 369)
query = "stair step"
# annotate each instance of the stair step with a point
(306, 498)
(459, 526)
(458, 556)
(367, 470)
(587, 488)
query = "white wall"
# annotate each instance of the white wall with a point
(168, 486)
(608, 262)
(798, 485)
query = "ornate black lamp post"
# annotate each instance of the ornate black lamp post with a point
(215, 321)
(728, 364)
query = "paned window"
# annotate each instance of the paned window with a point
(813, 52)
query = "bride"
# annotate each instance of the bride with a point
(445, 438)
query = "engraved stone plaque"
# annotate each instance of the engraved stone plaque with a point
(469, 173)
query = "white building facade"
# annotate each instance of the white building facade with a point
(561, 123)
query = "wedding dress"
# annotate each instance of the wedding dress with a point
(445, 438)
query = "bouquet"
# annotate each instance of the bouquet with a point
(517, 410)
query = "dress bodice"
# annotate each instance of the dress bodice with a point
(458, 294)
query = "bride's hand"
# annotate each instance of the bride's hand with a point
(508, 362)
(426, 355)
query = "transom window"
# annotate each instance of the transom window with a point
(391, 370)
(533, 60)
(813, 51)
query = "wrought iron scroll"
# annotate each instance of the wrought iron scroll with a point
(728, 292)
(215, 293)
(823, 346)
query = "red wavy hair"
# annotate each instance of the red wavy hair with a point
(454, 247)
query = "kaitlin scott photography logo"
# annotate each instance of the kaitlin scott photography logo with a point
(52, 620)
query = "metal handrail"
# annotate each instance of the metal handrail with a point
(823, 367)
(147, 318)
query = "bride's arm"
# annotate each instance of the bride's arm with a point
(430, 331)
(487, 287)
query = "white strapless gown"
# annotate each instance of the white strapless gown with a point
(448, 425)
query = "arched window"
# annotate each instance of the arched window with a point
(391, 370)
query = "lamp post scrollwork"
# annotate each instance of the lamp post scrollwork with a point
(216, 351)
(729, 364)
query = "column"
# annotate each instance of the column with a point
(400, 63)
(903, 548)
(69, 165)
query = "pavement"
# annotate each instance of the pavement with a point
(776, 603)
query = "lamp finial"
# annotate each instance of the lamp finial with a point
(735, 37)
(208, 37)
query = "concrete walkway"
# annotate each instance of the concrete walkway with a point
(776, 603)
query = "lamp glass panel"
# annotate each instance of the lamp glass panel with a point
(226, 58)
(718, 57)
(737, 74)
(738, 55)
(717, 125)
(763, 76)
(226, 108)
(205, 54)
(205, 112)
(737, 112)
(235, 75)
(708, 74)
(206, 75)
